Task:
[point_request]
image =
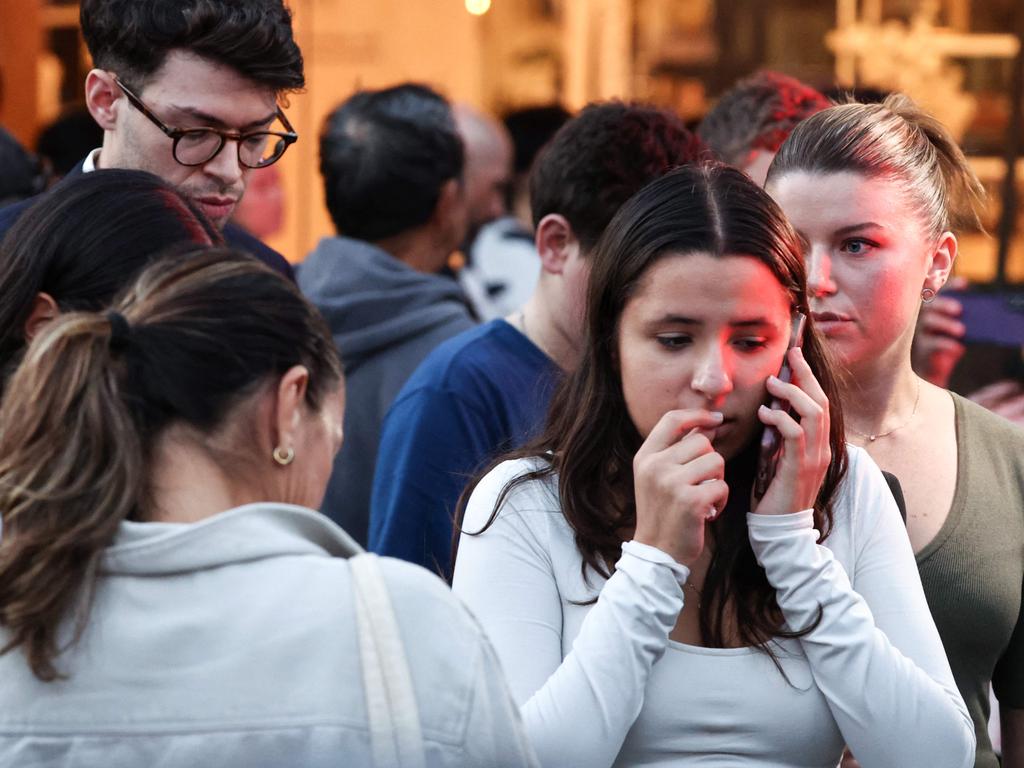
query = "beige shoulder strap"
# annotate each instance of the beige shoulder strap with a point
(395, 732)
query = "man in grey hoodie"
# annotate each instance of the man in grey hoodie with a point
(392, 164)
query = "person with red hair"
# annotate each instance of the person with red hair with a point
(752, 119)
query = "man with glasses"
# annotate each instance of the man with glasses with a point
(191, 90)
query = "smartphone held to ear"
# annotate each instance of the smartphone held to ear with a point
(771, 440)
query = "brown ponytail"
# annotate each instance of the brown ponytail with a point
(70, 472)
(963, 191)
(895, 139)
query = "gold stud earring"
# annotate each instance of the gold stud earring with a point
(284, 456)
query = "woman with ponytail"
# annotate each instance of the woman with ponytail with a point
(877, 193)
(168, 596)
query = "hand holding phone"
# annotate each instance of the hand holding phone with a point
(771, 441)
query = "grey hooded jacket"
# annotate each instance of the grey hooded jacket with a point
(232, 642)
(385, 318)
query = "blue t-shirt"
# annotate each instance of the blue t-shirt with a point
(477, 395)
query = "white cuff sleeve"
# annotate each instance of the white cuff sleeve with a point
(658, 557)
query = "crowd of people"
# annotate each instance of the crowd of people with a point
(585, 440)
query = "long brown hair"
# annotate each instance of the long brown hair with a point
(197, 335)
(710, 209)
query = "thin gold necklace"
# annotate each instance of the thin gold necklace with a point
(872, 438)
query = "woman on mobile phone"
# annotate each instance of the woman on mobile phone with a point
(876, 193)
(646, 609)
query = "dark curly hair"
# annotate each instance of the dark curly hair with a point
(384, 157)
(254, 37)
(598, 160)
(758, 113)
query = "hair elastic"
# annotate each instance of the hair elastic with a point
(120, 332)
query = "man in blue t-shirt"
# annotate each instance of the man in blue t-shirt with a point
(487, 390)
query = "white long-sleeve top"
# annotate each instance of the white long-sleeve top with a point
(602, 685)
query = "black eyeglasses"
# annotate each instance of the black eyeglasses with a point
(197, 146)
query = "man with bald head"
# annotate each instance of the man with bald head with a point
(488, 170)
(501, 266)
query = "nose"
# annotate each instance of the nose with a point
(225, 166)
(711, 377)
(819, 273)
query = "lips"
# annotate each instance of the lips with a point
(830, 322)
(711, 433)
(217, 208)
(829, 317)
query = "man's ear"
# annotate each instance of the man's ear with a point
(287, 414)
(451, 212)
(556, 243)
(103, 98)
(44, 311)
(942, 259)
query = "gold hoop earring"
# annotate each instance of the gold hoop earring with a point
(927, 295)
(284, 456)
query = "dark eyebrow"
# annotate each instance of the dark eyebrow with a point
(214, 122)
(754, 322)
(855, 227)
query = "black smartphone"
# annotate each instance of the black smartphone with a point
(993, 337)
(771, 440)
(992, 316)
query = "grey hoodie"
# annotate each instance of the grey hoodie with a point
(385, 318)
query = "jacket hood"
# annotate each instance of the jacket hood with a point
(250, 532)
(371, 300)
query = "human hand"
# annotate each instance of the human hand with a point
(679, 482)
(1005, 398)
(937, 344)
(805, 447)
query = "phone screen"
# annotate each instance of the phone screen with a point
(771, 441)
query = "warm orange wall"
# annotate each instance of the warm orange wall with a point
(348, 44)
(21, 40)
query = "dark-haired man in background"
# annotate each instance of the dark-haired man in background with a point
(487, 390)
(392, 164)
(189, 90)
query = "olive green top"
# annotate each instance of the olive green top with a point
(973, 570)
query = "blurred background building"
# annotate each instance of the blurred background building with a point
(959, 58)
